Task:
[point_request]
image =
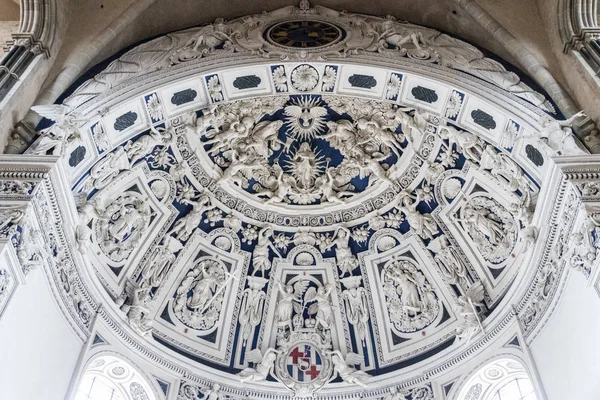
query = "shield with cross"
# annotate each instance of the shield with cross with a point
(303, 364)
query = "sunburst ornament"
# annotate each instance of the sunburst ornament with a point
(305, 117)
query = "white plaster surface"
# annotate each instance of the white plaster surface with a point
(567, 352)
(38, 350)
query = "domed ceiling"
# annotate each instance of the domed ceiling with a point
(306, 199)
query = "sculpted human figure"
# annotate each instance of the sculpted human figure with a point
(211, 117)
(144, 145)
(480, 220)
(344, 369)
(285, 183)
(285, 307)
(380, 134)
(466, 142)
(209, 37)
(186, 225)
(108, 168)
(409, 292)
(559, 135)
(260, 254)
(207, 282)
(63, 132)
(324, 314)
(468, 317)
(392, 37)
(422, 224)
(252, 307)
(156, 270)
(346, 261)
(262, 369)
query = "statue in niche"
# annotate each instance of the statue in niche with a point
(260, 255)
(410, 300)
(344, 368)
(186, 225)
(345, 260)
(198, 298)
(482, 221)
(422, 224)
(321, 307)
(264, 365)
(285, 306)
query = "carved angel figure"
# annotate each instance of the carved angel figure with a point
(322, 306)
(346, 261)
(263, 365)
(469, 323)
(344, 368)
(211, 117)
(57, 136)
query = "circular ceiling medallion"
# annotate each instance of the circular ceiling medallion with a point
(304, 34)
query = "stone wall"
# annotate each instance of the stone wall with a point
(6, 29)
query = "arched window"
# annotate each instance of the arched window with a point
(579, 30)
(503, 379)
(110, 378)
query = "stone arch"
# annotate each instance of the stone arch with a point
(505, 374)
(111, 372)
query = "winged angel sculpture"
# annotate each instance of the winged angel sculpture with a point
(263, 365)
(58, 136)
(344, 368)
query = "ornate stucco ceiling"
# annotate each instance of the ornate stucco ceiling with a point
(306, 199)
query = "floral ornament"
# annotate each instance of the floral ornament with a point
(454, 104)
(249, 234)
(154, 107)
(162, 158)
(394, 219)
(376, 223)
(232, 222)
(281, 241)
(185, 192)
(213, 216)
(329, 77)
(393, 87)
(280, 79)
(305, 78)
(214, 88)
(360, 235)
